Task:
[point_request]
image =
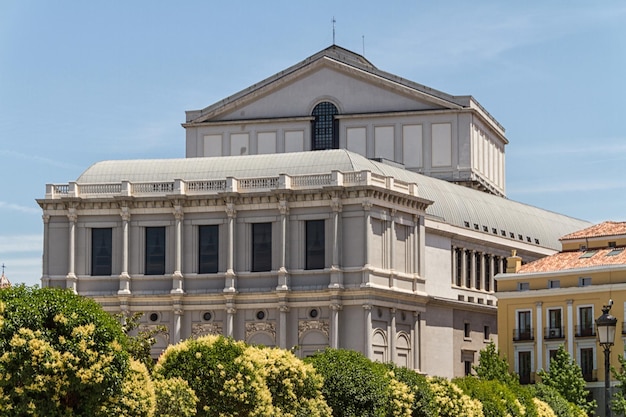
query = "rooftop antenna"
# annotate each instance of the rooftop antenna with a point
(363, 38)
(334, 21)
(3, 266)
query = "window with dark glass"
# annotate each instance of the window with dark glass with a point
(325, 127)
(261, 247)
(523, 360)
(586, 363)
(315, 244)
(155, 251)
(208, 240)
(586, 320)
(101, 248)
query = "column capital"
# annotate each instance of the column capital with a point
(336, 307)
(72, 215)
(367, 205)
(45, 216)
(283, 207)
(179, 213)
(125, 213)
(367, 307)
(231, 212)
(335, 204)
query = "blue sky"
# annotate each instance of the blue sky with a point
(86, 81)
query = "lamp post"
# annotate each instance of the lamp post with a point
(606, 335)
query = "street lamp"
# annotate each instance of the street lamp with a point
(606, 335)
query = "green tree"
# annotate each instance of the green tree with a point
(353, 385)
(496, 397)
(423, 398)
(174, 398)
(560, 406)
(566, 377)
(493, 366)
(62, 355)
(140, 342)
(619, 398)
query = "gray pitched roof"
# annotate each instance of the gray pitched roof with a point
(453, 204)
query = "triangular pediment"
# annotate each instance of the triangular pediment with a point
(336, 74)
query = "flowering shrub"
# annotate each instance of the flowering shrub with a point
(61, 354)
(295, 387)
(452, 402)
(355, 386)
(543, 409)
(497, 399)
(423, 398)
(138, 397)
(231, 378)
(559, 405)
(226, 383)
(174, 398)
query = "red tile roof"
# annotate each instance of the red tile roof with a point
(571, 260)
(607, 228)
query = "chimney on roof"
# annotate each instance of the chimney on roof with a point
(513, 263)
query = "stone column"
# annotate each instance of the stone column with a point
(463, 268)
(124, 275)
(70, 278)
(283, 309)
(230, 284)
(334, 325)
(178, 315)
(283, 276)
(177, 277)
(392, 246)
(45, 262)
(421, 247)
(336, 276)
(539, 336)
(367, 308)
(454, 265)
(417, 342)
(570, 327)
(367, 230)
(481, 277)
(392, 335)
(491, 273)
(473, 269)
(230, 318)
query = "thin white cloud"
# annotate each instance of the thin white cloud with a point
(13, 244)
(37, 158)
(16, 207)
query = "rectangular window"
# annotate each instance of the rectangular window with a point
(155, 251)
(523, 362)
(486, 333)
(523, 286)
(586, 363)
(554, 323)
(261, 247)
(584, 281)
(208, 254)
(554, 283)
(524, 325)
(466, 330)
(585, 321)
(315, 244)
(101, 249)
(468, 367)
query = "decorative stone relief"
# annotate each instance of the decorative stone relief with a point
(203, 329)
(262, 326)
(319, 325)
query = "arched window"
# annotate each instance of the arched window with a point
(325, 127)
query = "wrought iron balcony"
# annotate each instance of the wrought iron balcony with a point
(585, 331)
(523, 334)
(553, 333)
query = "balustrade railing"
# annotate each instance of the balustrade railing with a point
(230, 184)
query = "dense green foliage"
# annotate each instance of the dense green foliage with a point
(423, 397)
(566, 377)
(354, 386)
(175, 398)
(62, 355)
(496, 397)
(559, 405)
(492, 366)
(231, 378)
(619, 397)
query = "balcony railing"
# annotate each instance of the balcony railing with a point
(585, 331)
(523, 334)
(229, 185)
(553, 333)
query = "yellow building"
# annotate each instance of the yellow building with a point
(555, 301)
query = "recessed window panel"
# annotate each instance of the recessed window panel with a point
(101, 248)
(208, 254)
(315, 244)
(155, 251)
(261, 247)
